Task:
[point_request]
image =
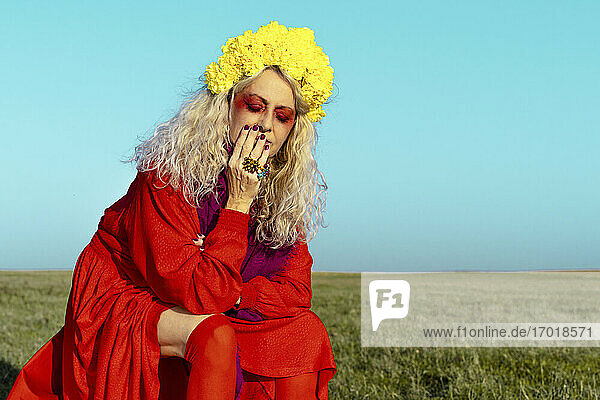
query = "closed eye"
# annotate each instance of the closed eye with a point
(284, 115)
(254, 107)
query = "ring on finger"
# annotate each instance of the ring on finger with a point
(263, 171)
(250, 165)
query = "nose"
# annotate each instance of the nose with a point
(266, 123)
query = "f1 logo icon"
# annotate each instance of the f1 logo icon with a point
(388, 299)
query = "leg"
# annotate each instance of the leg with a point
(209, 344)
(299, 387)
(174, 327)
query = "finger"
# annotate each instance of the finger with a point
(244, 132)
(237, 147)
(250, 141)
(259, 146)
(265, 155)
(263, 172)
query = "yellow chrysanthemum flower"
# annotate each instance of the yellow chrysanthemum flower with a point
(293, 50)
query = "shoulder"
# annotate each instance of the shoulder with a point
(155, 180)
(153, 190)
(300, 250)
(159, 185)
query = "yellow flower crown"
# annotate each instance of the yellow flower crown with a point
(293, 50)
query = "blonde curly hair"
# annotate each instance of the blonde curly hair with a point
(189, 151)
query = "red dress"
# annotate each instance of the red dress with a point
(142, 261)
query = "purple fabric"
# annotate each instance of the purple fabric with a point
(259, 260)
(239, 379)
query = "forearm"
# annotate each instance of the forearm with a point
(201, 280)
(287, 293)
(161, 228)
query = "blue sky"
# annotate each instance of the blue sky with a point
(462, 135)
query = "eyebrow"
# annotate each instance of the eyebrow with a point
(266, 102)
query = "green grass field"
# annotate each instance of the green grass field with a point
(32, 306)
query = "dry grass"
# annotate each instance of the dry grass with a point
(32, 308)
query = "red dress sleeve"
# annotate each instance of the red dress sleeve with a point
(285, 294)
(161, 228)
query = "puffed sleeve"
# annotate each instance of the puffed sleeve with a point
(161, 228)
(287, 293)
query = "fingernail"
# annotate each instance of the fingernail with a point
(255, 128)
(246, 127)
(262, 136)
(266, 147)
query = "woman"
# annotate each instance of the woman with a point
(197, 282)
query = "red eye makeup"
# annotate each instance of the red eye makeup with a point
(255, 104)
(284, 115)
(249, 103)
(254, 107)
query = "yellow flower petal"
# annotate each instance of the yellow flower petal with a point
(293, 50)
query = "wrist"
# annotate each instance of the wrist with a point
(237, 205)
(248, 296)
